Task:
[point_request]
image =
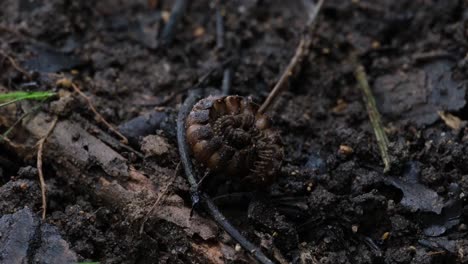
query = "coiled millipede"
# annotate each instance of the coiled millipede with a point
(227, 134)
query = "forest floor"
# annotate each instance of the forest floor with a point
(332, 201)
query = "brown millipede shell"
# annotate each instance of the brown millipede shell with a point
(227, 134)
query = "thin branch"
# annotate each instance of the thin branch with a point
(177, 11)
(300, 54)
(198, 196)
(5, 135)
(281, 85)
(219, 26)
(40, 144)
(313, 15)
(226, 85)
(11, 143)
(98, 116)
(183, 148)
(16, 66)
(160, 197)
(10, 102)
(373, 113)
(232, 231)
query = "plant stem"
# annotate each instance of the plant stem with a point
(374, 114)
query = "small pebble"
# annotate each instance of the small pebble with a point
(375, 44)
(345, 150)
(237, 248)
(24, 186)
(412, 248)
(165, 16)
(385, 236)
(154, 145)
(199, 31)
(462, 227)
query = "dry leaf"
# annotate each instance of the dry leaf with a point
(451, 121)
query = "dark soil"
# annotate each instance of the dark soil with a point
(332, 202)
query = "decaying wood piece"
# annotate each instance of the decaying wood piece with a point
(107, 175)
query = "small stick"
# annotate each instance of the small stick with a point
(11, 102)
(11, 143)
(16, 66)
(219, 27)
(198, 196)
(301, 52)
(232, 231)
(162, 195)
(183, 149)
(40, 145)
(313, 15)
(281, 85)
(99, 117)
(5, 135)
(373, 113)
(431, 55)
(226, 85)
(177, 11)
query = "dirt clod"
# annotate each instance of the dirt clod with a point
(25, 239)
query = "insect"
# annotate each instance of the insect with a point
(227, 134)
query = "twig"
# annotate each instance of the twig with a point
(219, 27)
(431, 55)
(226, 85)
(162, 195)
(281, 85)
(108, 138)
(373, 113)
(232, 231)
(202, 80)
(40, 144)
(233, 198)
(16, 66)
(313, 15)
(99, 117)
(11, 143)
(183, 149)
(5, 135)
(198, 196)
(177, 11)
(301, 52)
(10, 102)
